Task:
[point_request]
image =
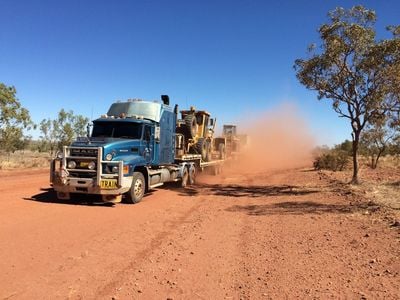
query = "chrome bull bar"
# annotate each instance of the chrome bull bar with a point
(89, 154)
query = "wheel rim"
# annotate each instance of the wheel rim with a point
(138, 188)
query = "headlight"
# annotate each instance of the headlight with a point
(109, 156)
(115, 169)
(71, 164)
(59, 155)
(92, 165)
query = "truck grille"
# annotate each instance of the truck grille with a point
(86, 152)
(81, 157)
(82, 175)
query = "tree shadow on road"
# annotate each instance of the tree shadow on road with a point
(295, 208)
(255, 191)
(49, 196)
(237, 191)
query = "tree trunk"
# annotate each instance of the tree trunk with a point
(372, 160)
(373, 163)
(377, 158)
(356, 139)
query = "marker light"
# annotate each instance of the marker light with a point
(126, 169)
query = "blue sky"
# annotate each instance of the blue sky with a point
(232, 58)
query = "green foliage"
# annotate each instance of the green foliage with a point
(61, 131)
(346, 146)
(378, 138)
(13, 119)
(332, 159)
(360, 75)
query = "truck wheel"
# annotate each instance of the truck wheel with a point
(191, 126)
(185, 177)
(137, 189)
(221, 149)
(192, 175)
(202, 148)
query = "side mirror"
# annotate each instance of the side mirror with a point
(157, 134)
(211, 122)
(88, 126)
(165, 99)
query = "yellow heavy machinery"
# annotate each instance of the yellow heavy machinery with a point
(234, 141)
(197, 128)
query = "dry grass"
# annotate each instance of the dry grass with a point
(389, 161)
(380, 186)
(24, 159)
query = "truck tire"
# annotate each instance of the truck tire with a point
(221, 150)
(202, 147)
(208, 152)
(192, 175)
(185, 177)
(137, 189)
(191, 126)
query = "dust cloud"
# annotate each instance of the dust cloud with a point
(276, 139)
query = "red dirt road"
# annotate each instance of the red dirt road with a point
(287, 234)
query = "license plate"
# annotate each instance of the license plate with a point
(83, 164)
(108, 183)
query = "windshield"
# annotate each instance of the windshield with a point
(126, 130)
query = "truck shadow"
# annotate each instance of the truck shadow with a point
(187, 191)
(48, 195)
(296, 208)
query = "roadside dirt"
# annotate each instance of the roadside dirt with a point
(279, 234)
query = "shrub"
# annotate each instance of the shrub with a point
(334, 160)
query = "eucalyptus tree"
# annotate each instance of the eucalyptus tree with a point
(13, 119)
(62, 130)
(377, 138)
(359, 74)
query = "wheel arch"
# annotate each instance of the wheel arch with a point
(145, 172)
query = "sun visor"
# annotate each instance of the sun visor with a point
(136, 109)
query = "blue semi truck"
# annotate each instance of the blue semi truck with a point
(137, 146)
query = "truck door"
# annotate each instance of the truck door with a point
(148, 140)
